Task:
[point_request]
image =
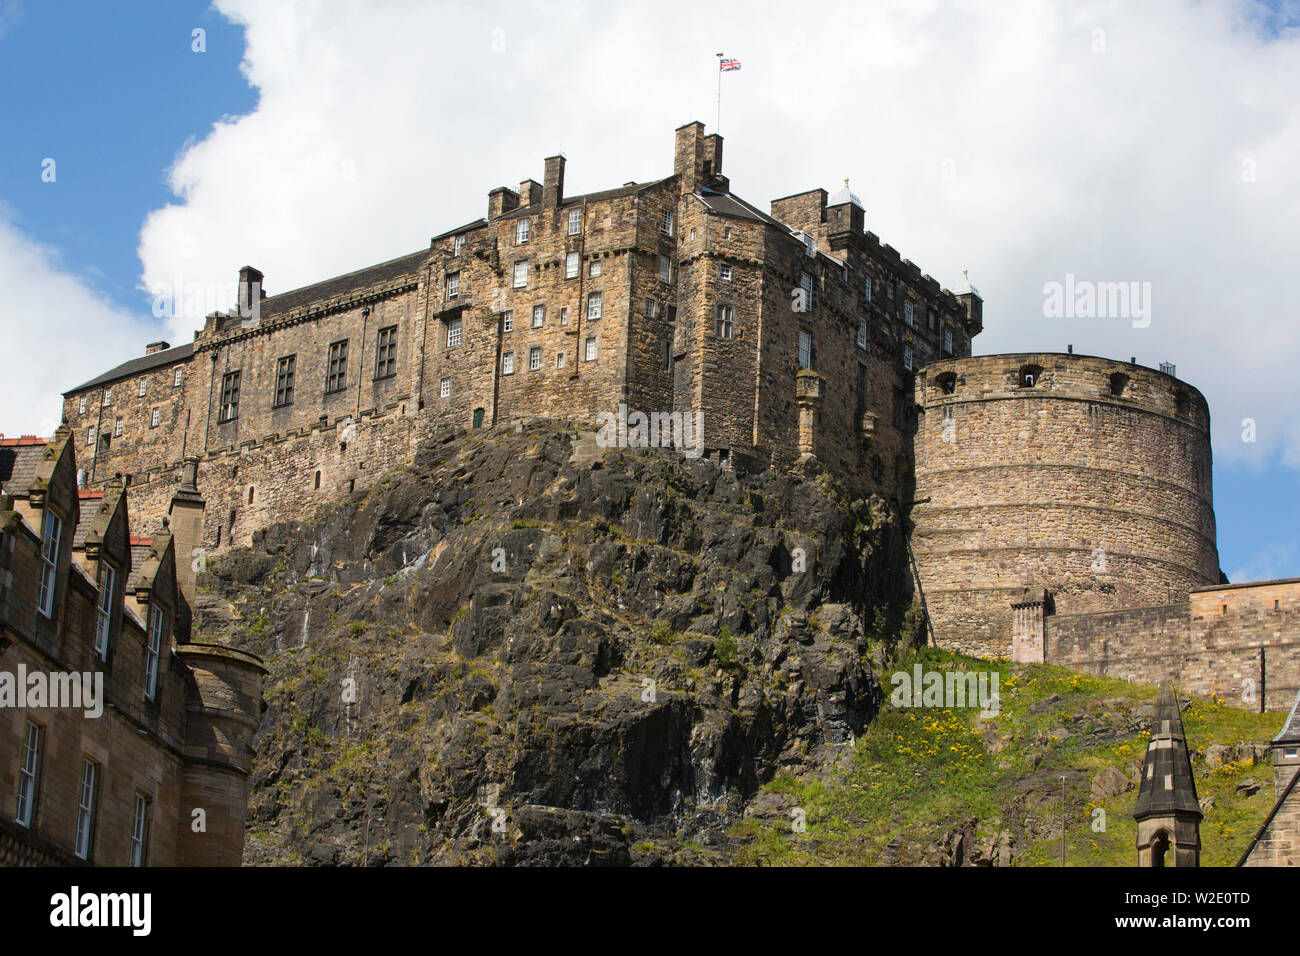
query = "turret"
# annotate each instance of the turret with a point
(1168, 813)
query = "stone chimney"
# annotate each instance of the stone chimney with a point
(250, 289)
(501, 201)
(553, 189)
(156, 347)
(712, 166)
(530, 192)
(689, 156)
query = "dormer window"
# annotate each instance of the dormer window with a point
(457, 245)
(153, 653)
(51, 532)
(104, 609)
(521, 232)
(1030, 375)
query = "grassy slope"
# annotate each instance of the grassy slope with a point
(919, 773)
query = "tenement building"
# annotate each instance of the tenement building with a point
(122, 743)
(1059, 505)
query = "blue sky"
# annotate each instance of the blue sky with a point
(313, 137)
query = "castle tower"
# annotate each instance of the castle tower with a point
(1168, 813)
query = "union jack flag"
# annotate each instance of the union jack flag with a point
(728, 65)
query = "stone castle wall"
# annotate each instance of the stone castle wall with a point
(1092, 482)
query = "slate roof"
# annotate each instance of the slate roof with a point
(732, 205)
(274, 305)
(18, 467)
(135, 366)
(1167, 782)
(1290, 733)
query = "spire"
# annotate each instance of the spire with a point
(1167, 783)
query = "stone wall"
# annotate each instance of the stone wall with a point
(1093, 482)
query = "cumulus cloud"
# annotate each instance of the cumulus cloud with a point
(1025, 141)
(50, 311)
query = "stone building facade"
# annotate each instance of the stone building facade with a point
(150, 767)
(1278, 841)
(1087, 478)
(792, 334)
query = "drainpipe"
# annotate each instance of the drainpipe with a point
(99, 427)
(361, 359)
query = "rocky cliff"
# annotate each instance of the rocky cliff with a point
(525, 649)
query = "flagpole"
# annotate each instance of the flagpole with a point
(717, 127)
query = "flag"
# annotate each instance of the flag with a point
(728, 65)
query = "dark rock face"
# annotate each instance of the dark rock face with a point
(507, 655)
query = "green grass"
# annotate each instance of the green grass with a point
(917, 773)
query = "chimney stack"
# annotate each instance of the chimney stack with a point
(501, 201)
(553, 188)
(250, 289)
(530, 192)
(156, 347)
(689, 156)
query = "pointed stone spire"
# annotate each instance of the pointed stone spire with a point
(1168, 812)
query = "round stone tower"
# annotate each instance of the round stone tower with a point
(1079, 476)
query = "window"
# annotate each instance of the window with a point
(508, 364)
(595, 303)
(594, 267)
(907, 358)
(1118, 382)
(521, 274)
(86, 810)
(453, 285)
(153, 653)
(229, 408)
(862, 334)
(809, 245)
(534, 358)
(575, 221)
(867, 287)
(51, 532)
(521, 232)
(155, 415)
(117, 427)
(336, 375)
(725, 272)
(726, 232)
(90, 436)
(726, 321)
(564, 315)
(143, 383)
(571, 266)
(386, 353)
(908, 313)
(889, 289)
(665, 269)
(140, 819)
(453, 332)
(806, 291)
(947, 341)
(457, 245)
(108, 397)
(650, 308)
(589, 349)
(81, 407)
(692, 235)
(666, 223)
(178, 377)
(28, 775)
(539, 316)
(1030, 375)
(284, 380)
(104, 609)
(559, 360)
(862, 388)
(316, 483)
(444, 388)
(947, 382)
(805, 349)
(668, 355)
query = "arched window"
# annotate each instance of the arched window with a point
(1160, 848)
(317, 487)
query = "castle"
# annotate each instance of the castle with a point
(1059, 505)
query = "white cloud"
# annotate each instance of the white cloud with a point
(988, 135)
(57, 331)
